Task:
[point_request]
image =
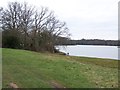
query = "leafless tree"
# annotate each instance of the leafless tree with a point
(26, 22)
(39, 23)
(37, 29)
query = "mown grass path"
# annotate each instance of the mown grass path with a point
(38, 70)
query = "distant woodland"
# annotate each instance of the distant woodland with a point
(65, 41)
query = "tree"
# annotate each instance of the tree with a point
(10, 26)
(26, 22)
(31, 29)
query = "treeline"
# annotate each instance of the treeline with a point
(25, 27)
(66, 41)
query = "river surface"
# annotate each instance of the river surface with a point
(91, 51)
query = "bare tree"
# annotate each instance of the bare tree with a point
(10, 17)
(26, 21)
(37, 29)
(39, 26)
(10, 24)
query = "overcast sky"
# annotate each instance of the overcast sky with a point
(89, 19)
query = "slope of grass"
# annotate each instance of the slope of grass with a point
(39, 70)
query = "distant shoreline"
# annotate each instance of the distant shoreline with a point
(86, 45)
(90, 42)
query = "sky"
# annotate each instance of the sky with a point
(88, 19)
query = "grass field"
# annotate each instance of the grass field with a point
(45, 70)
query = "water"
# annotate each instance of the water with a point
(91, 51)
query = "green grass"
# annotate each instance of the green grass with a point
(38, 70)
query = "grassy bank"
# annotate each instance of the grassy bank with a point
(44, 70)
